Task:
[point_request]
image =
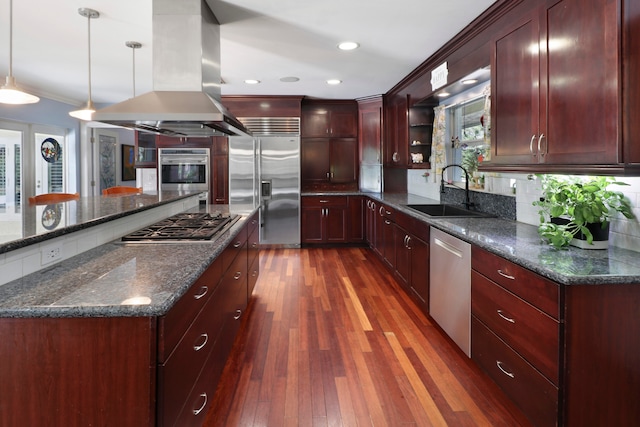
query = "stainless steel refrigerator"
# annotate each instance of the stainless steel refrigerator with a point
(270, 179)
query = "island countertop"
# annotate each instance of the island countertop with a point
(117, 279)
(38, 223)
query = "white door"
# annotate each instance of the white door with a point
(50, 162)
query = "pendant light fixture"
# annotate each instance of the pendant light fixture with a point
(9, 92)
(86, 113)
(134, 46)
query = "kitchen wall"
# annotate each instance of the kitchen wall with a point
(624, 233)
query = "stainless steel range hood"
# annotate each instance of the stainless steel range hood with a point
(185, 100)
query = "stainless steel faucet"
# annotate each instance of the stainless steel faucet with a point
(467, 201)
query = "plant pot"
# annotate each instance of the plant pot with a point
(600, 235)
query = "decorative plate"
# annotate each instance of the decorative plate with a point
(50, 150)
(51, 216)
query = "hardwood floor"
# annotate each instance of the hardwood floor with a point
(330, 339)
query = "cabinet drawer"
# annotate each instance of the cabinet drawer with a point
(533, 334)
(327, 201)
(177, 376)
(535, 289)
(236, 246)
(253, 273)
(413, 225)
(253, 244)
(252, 223)
(531, 391)
(386, 212)
(175, 323)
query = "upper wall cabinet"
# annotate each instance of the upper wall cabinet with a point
(337, 119)
(370, 130)
(556, 87)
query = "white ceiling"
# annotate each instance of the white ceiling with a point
(261, 39)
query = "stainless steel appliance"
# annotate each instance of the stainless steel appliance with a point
(450, 287)
(270, 179)
(185, 100)
(183, 226)
(184, 169)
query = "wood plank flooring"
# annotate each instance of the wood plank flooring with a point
(330, 339)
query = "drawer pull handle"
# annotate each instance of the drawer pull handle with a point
(505, 275)
(254, 245)
(325, 201)
(238, 275)
(533, 138)
(237, 315)
(508, 319)
(254, 273)
(197, 411)
(237, 244)
(504, 371)
(197, 347)
(203, 293)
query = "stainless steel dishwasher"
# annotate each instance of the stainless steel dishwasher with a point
(450, 287)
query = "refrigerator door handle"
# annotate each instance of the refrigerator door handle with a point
(265, 189)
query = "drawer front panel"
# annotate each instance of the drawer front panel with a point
(529, 331)
(178, 375)
(254, 272)
(318, 201)
(529, 286)
(531, 391)
(254, 244)
(413, 225)
(175, 323)
(234, 248)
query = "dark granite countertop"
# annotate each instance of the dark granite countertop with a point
(521, 244)
(43, 222)
(116, 279)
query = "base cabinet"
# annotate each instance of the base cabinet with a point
(128, 371)
(324, 219)
(412, 258)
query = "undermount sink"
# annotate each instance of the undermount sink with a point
(446, 210)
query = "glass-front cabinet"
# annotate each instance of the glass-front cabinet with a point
(146, 151)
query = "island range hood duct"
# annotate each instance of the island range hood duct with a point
(185, 100)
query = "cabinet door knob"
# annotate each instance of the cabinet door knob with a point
(197, 411)
(504, 371)
(533, 138)
(505, 317)
(198, 347)
(237, 315)
(201, 294)
(237, 244)
(505, 275)
(540, 138)
(237, 275)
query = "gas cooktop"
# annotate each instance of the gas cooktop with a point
(183, 226)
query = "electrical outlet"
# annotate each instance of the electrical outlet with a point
(51, 254)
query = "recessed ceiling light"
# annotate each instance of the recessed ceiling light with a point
(469, 81)
(348, 45)
(443, 94)
(290, 79)
(334, 81)
(252, 81)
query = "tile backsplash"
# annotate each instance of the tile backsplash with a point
(624, 233)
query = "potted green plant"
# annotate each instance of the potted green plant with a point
(572, 209)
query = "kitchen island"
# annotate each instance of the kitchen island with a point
(125, 334)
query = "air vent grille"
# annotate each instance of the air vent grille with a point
(272, 125)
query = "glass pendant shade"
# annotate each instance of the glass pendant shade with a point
(86, 112)
(10, 93)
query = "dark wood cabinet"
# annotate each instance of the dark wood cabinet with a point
(338, 119)
(396, 114)
(556, 88)
(516, 333)
(370, 126)
(219, 193)
(420, 135)
(146, 153)
(329, 161)
(356, 228)
(324, 219)
(412, 258)
(370, 214)
(128, 371)
(329, 145)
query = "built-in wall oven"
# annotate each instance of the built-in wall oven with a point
(184, 169)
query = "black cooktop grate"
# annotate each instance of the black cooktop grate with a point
(183, 226)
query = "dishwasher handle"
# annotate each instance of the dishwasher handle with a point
(447, 247)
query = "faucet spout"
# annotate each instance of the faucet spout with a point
(467, 200)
